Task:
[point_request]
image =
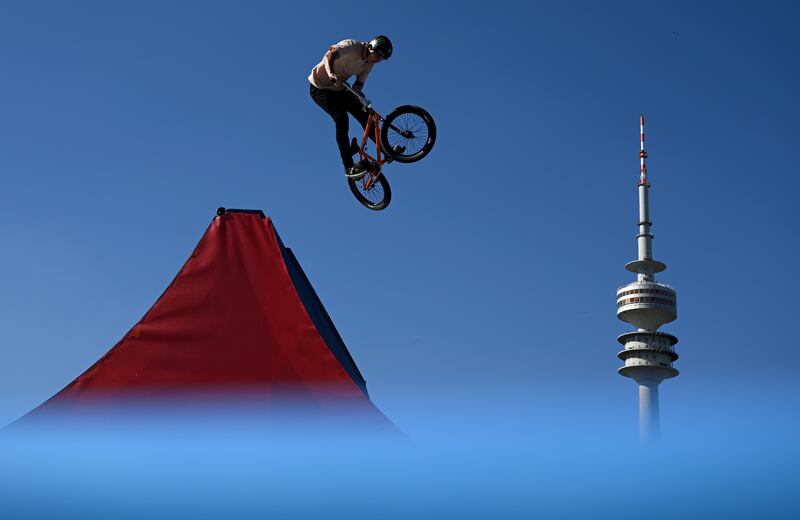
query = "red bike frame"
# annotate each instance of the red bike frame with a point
(373, 124)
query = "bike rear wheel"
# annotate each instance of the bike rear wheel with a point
(411, 127)
(373, 193)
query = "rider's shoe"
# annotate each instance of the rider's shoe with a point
(396, 149)
(355, 172)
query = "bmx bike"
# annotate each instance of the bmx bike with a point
(406, 135)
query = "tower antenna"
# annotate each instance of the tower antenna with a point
(642, 152)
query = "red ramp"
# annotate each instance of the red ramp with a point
(240, 316)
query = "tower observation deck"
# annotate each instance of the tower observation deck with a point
(647, 305)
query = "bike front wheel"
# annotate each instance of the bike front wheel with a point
(373, 193)
(408, 133)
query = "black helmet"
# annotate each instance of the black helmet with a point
(382, 45)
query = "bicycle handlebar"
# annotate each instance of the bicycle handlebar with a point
(364, 101)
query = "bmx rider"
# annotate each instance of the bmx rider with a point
(346, 58)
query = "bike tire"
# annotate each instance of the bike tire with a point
(416, 122)
(377, 197)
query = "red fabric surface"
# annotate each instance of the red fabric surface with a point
(231, 319)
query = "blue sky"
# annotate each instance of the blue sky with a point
(125, 125)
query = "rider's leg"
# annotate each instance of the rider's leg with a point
(333, 102)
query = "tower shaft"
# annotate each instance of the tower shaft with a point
(649, 423)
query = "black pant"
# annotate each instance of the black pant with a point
(339, 103)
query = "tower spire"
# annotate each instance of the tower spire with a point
(644, 266)
(642, 152)
(647, 305)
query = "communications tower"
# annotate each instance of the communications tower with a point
(647, 305)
